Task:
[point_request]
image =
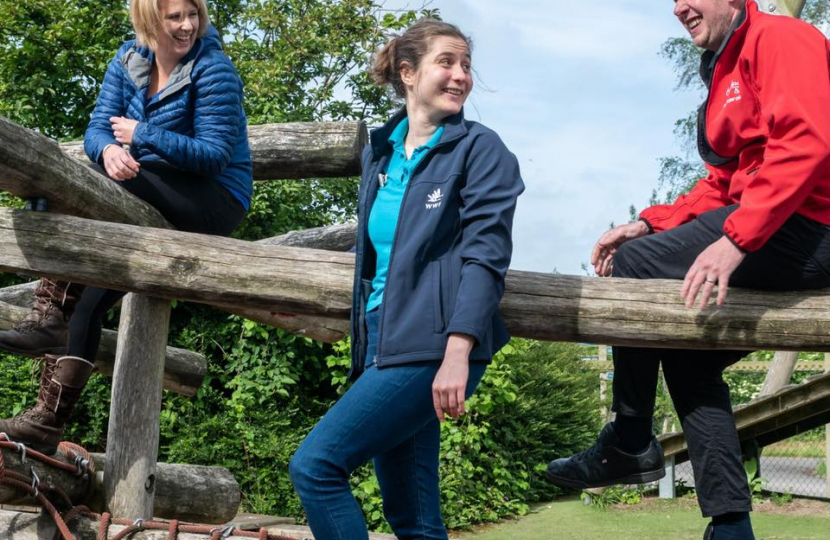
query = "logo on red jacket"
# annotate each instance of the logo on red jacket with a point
(733, 93)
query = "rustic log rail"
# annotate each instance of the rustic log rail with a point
(294, 150)
(184, 370)
(809, 366)
(188, 492)
(233, 273)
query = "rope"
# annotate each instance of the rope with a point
(82, 465)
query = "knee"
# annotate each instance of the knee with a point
(623, 259)
(311, 472)
(299, 470)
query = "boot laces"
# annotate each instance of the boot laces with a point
(589, 453)
(46, 296)
(26, 417)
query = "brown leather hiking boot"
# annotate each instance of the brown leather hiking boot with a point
(61, 383)
(45, 330)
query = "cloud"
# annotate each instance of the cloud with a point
(577, 91)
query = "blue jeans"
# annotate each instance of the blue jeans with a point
(387, 415)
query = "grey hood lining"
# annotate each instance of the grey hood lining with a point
(139, 69)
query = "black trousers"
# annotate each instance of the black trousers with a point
(797, 257)
(189, 202)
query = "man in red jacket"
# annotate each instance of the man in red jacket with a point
(760, 219)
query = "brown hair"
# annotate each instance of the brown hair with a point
(410, 47)
(146, 18)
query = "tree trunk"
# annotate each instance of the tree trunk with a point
(791, 8)
(780, 372)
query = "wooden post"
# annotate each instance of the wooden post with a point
(132, 441)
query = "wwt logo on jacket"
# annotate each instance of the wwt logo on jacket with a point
(434, 199)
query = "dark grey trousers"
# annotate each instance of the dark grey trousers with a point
(797, 257)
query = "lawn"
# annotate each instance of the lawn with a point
(569, 519)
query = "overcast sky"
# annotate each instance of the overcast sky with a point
(578, 92)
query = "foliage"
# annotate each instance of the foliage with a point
(52, 56)
(756, 483)
(613, 496)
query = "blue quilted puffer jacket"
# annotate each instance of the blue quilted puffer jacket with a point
(195, 122)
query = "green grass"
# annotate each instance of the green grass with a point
(791, 448)
(569, 519)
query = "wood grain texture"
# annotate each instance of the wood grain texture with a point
(133, 432)
(75, 487)
(332, 238)
(294, 150)
(233, 273)
(33, 166)
(195, 493)
(184, 370)
(187, 492)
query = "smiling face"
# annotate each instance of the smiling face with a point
(707, 21)
(180, 28)
(440, 85)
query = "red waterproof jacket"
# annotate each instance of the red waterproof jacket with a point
(769, 110)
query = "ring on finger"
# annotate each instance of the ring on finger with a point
(712, 281)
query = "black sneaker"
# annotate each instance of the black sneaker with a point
(604, 464)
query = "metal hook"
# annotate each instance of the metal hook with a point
(35, 482)
(82, 465)
(22, 449)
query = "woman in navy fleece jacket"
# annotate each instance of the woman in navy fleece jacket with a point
(435, 213)
(169, 128)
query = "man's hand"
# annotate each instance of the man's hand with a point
(123, 129)
(714, 266)
(450, 384)
(602, 257)
(119, 164)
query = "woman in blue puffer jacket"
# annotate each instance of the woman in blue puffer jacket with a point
(169, 128)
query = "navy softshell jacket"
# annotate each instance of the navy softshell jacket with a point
(451, 251)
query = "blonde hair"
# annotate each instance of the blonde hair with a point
(146, 18)
(410, 47)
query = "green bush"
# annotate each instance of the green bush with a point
(266, 389)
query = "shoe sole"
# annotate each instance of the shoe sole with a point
(637, 478)
(36, 353)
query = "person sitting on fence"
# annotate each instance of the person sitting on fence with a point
(175, 99)
(435, 212)
(759, 220)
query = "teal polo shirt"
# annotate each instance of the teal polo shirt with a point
(383, 219)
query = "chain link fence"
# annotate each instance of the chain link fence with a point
(796, 466)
